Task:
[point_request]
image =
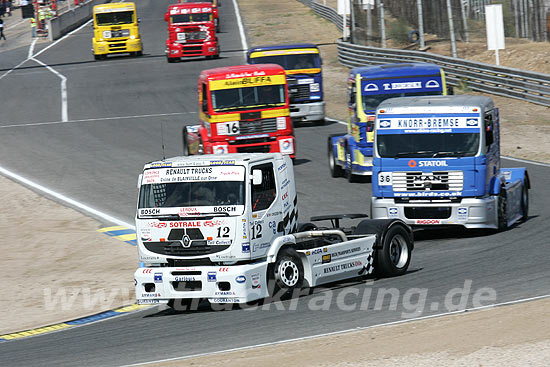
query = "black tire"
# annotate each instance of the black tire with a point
(97, 57)
(349, 174)
(394, 255)
(335, 169)
(182, 304)
(139, 53)
(286, 275)
(170, 59)
(184, 142)
(502, 204)
(525, 199)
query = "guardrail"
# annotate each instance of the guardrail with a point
(503, 81)
(71, 19)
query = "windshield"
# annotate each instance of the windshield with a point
(371, 101)
(197, 1)
(185, 191)
(290, 62)
(249, 97)
(187, 18)
(119, 17)
(427, 145)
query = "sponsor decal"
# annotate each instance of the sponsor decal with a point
(245, 248)
(147, 271)
(158, 277)
(260, 246)
(392, 212)
(148, 258)
(432, 163)
(472, 122)
(428, 221)
(346, 252)
(195, 10)
(223, 270)
(184, 279)
(150, 295)
(282, 167)
(344, 266)
(255, 279)
(161, 165)
(222, 163)
(429, 193)
(219, 242)
(224, 293)
(462, 213)
(240, 279)
(412, 163)
(211, 276)
(384, 124)
(147, 301)
(326, 258)
(226, 300)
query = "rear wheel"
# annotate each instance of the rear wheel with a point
(286, 274)
(502, 209)
(394, 257)
(335, 169)
(525, 199)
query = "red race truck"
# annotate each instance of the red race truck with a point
(191, 31)
(242, 109)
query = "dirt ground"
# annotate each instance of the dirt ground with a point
(505, 336)
(70, 270)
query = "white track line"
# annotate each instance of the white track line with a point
(65, 199)
(16, 24)
(244, 44)
(505, 157)
(64, 105)
(340, 332)
(98, 119)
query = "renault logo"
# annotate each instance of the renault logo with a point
(186, 241)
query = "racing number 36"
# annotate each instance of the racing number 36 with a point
(256, 231)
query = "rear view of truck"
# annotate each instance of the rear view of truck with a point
(191, 31)
(302, 64)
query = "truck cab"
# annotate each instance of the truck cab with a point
(437, 162)
(242, 109)
(302, 64)
(215, 9)
(116, 30)
(191, 31)
(350, 154)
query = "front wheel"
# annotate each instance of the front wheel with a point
(286, 274)
(394, 256)
(335, 169)
(349, 165)
(185, 142)
(525, 199)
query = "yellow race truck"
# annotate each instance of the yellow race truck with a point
(116, 30)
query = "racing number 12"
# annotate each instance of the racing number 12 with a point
(256, 231)
(225, 232)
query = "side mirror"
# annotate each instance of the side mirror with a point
(166, 17)
(450, 91)
(140, 177)
(139, 20)
(256, 177)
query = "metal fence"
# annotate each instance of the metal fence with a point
(507, 82)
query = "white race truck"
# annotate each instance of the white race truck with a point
(224, 228)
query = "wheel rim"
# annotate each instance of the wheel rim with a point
(399, 251)
(288, 273)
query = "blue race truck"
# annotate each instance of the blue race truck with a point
(351, 154)
(437, 162)
(302, 63)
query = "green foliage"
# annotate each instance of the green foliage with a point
(398, 31)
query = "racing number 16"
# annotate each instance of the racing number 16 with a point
(232, 128)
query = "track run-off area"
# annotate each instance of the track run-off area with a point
(84, 129)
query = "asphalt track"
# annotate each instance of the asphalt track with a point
(119, 109)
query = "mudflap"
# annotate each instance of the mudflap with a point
(515, 180)
(193, 139)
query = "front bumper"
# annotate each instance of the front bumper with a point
(314, 111)
(218, 284)
(116, 46)
(281, 144)
(178, 50)
(469, 212)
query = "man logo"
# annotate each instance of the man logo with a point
(471, 122)
(432, 84)
(371, 88)
(384, 124)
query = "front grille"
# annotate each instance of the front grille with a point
(297, 91)
(427, 212)
(175, 248)
(189, 262)
(113, 46)
(428, 181)
(191, 49)
(268, 125)
(252, 141)
(195, 35)
(254, 149)
(194, 285)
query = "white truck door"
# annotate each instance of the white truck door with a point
(263, 199)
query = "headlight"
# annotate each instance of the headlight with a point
(132, 37)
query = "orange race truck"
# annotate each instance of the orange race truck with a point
(242, 109)
(191, 31)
